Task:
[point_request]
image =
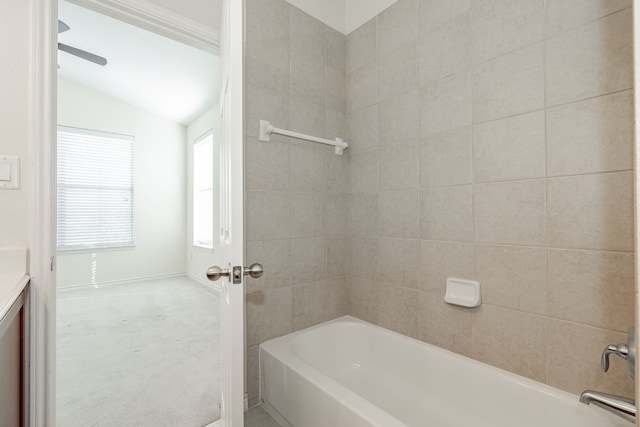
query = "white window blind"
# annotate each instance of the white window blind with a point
(95, 189)
(203, 191)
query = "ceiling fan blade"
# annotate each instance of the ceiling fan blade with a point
(62, 27)
(82, 54)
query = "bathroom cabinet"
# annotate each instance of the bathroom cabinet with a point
(12, 366)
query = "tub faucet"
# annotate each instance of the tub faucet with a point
(621, 406)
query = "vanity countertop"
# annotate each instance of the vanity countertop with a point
(13, 277)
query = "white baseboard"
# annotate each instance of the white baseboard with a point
(213, 286)
(121, 282)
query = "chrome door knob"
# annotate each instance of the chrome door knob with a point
(215, 272)
(254, 270)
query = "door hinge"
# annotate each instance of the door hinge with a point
(53, 263)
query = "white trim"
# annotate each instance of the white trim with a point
(43, 125)
(214, 287)
(123, 282)
(42, 224)
(151, 17)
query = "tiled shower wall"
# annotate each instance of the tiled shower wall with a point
(492, 140)
(295, 74)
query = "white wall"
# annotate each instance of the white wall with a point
(160, 189)
(15, 36)
(199, 259)
(342, 15)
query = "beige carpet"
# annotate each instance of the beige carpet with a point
(138, 354)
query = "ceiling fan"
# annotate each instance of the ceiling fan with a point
(62, 27)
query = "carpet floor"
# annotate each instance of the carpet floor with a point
(143, 353)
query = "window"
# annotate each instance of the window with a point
(203, 191)
(95, 189)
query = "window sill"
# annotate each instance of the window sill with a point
(93, 250)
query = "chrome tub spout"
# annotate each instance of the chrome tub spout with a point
(621, 406)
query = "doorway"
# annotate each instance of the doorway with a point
(137, 321)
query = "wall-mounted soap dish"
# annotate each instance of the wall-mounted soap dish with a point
(465, 293)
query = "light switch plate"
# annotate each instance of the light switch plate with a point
(12, 163)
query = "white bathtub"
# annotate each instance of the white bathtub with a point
(349, 373)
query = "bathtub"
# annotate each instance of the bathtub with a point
(349, 373)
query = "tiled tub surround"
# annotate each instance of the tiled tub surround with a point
(296, 191)
(492, 140)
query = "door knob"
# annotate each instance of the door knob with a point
(215, 272)
(254, 270)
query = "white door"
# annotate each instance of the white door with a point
(231, 213)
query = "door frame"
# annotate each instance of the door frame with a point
(41, 399)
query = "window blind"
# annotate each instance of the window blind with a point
(95, 189)
(203, 191)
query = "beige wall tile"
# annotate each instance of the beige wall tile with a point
(524, 334)
(363, 257)
(398, 167)
(335, 91)
(363, 299)
(591, 60)
(363, 172)
(308, 260)
(336, 215)
(513, 277)
(307, 34)
(266, 105)
(308, 168)
(337, 254)
(398, 262)
(511, 148)
(591, 212)
(445, 325)
(401, 77)
(594, 135)
(502, 26)
(445, 50)
(308, 118)
(398, 214)
(337, 298)
(441, 260)
(563, 15)
(399, 310)
(592, 288)
(269, 315)
(307, 78)
(446, 213)
(397, 25)
(309, 304)
(274, 257)
(268, 19)
(337, 174)
(335, 124)
(267, 64)
(574, 359)
(362, 86)
(509, 85)
(510, 212)
(308, 215)
(445, 158)
(445, 104)
(361, 46)
(253, 373)
(362, 215)
(267, 215)
(398, 119)
(266, 165)
(335, 44)
(363, 129)
(433, 13)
